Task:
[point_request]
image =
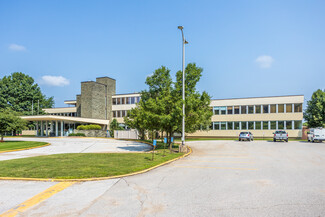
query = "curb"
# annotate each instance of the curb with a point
(22, 149)
(100, 178)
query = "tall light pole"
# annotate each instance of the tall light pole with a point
(183, 69)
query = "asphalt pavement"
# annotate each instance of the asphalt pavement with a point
(220, 178)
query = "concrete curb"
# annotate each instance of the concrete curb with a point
(101, 178)
(22, 149)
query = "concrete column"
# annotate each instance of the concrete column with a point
(42, 128)
(285, 108)
(61, 128)
(276, 108)
(47, 128)
(276, 125)
(37, 128)
(285, 124)
(293, 107)
(56, 128)
(52, 127)
(254, 124)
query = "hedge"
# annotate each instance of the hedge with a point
(77, 134)
(89, 127)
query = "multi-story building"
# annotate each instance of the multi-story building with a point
(98, 103)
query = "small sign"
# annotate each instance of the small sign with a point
(154, 142)
(172, 139)
(165, 140)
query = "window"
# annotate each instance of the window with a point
(223, 110)
(114, 114)
(123, 113)
(123, 100)
(257, 109)
(273, 108)
(236, 110)
(216, 126)
(211, 126)
(114, 101)
(138, 99)
(289, 125)
(280, 125)
(223, 125)
(250, 109)
(243, 109)
(118, 101)
(216, 110)
(265, 125)
(236, 126)
(257, 125)
(243, 125)
(251, 125)
(273, 125)
(132, 100)
(298, 125)
(288, 108)
(229, 110)
(265, 109)
(280, 108)
(229, 125)
(298, 108)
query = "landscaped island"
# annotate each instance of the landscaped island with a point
(19, 145)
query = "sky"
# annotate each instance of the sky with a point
(247, 48)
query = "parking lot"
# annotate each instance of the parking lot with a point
(220, 178)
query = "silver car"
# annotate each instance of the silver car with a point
(246, 136)
(280, 135)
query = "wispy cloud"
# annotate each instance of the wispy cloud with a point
(264, 61)
(58, 81)
(16, 47)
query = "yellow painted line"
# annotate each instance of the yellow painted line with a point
(203, 161)
(97, 179)
(22, 149)
(37, 199)
(225, 168)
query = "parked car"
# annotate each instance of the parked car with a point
(246, 136)
(280, 135)
(316, 135)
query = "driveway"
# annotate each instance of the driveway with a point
(75, 145)
(220, 178)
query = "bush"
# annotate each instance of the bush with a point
(89, 127)
(77, 134)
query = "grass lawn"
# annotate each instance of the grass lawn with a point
(13, 145)
(82, 165)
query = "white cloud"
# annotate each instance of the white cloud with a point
(54, 80)
(16, 47)
(264, 61)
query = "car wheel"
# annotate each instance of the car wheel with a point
(239, 139)
(274, 140)
(308, 140)
(286, 140)
(249, 139)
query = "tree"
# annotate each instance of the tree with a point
(10, 121)
(160, 107)
(114, 125)
(315, 112)
(18, 91)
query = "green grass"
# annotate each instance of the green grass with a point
(13, 145)
(85, 165)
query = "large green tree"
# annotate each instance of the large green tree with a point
(160, 108)
(18, 91)
(315, 112)
(10, 121)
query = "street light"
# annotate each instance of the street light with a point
(183, 69)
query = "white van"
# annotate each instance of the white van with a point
(316, 134)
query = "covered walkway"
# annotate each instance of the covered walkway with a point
(54, 125)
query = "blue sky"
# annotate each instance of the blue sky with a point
(246, 48)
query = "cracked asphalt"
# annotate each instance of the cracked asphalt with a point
(220, 178)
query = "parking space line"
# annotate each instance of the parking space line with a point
(37, 199)
(224, 168)
(203, 161)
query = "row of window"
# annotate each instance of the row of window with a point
(119, 114)
(256, 125)
(72, 114)
(257, 109)
(126, 100)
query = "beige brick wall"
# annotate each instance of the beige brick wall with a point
(259, 117)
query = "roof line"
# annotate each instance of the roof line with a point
(125, 93)
(107, 77)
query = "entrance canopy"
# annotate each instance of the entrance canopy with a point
(66, 119)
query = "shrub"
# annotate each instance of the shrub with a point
(89, 127)
(77, 134)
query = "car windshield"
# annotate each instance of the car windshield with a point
(244, 133)
(280, 131)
